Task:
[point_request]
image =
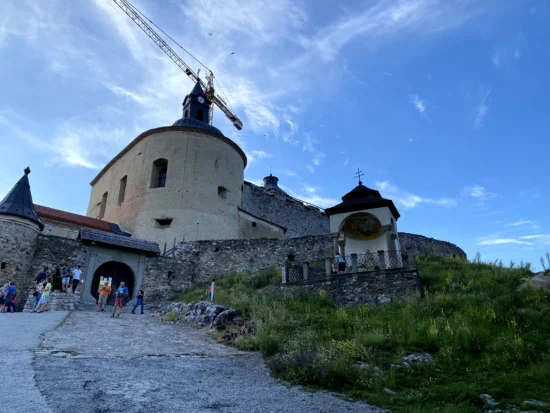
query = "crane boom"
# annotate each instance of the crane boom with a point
(127, 8)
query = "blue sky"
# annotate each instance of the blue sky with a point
(442, 104)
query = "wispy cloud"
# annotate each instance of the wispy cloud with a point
(417, 103)
(478, 193)
(520, 223)
(503, 241)
(409, 200)
(482, 109)
(502, 55)
(260, 154)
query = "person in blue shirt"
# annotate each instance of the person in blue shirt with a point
(139, 301)
(10, 295)
(120, 299)
(341, 263)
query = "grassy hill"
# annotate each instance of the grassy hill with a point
(486, 333)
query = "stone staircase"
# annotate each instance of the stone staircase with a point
(58, 300)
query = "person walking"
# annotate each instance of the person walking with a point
(38, 294)
(341, 263)
(66, 280)
(104, 292)
(139, 302)
(10, 295)
(77, 272)
(45, 295)
(120, 299)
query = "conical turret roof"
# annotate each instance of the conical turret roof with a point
(19, 203)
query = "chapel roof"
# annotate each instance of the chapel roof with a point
(362, 197)
(18, 202)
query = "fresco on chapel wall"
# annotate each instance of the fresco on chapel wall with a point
(362, 226)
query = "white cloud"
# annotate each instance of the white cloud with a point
(309, 189)
(482, 109)
(478, 192)
(521, 222)
(503, 241)
(417, 103)
(260, 154)
(408, 200)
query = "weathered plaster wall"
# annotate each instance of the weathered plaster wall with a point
(252, 227)
(362, 288)
(18, 240)
(198, 163)
(301, 220)
(424, 246)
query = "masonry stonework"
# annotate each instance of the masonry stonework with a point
(300, 219)
(18, 240)
(362, 288)
(424, 246)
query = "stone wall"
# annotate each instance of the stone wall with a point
(52, 251)
(18, 240)
(165, 276)
(362, 288)
(424, 246)
(215, 258)
(300, 219)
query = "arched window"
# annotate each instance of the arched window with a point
(159, 173)
(200, 115)
(103, 205)
(122, 189)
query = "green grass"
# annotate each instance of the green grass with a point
(487, 337)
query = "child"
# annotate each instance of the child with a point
(10, 295)
(45, 296)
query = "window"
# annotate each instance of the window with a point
(253, 223)
(186, 114)
(3, 266)
(103, 205)
(200, 115)
(222, 192)
(164, 222)
(122, 189)
(159, 173)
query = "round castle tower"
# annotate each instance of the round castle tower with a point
(176, 182)
(19, 229)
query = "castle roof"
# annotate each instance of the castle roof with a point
(197, 124)
(78, 220)
(362, 197)
(110, 238)
(19, 203)
(271, 183)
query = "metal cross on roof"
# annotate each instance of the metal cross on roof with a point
(358, 175)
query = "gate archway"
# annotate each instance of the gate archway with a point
(118, 272)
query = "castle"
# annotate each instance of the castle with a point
(172, 208)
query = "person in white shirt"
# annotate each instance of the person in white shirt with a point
(77, 272)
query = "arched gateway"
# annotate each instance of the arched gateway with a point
(118, 272)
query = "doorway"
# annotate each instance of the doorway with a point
(118, 272)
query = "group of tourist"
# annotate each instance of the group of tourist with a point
(121, 296)
(8, 298)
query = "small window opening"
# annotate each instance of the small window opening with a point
(291, 257)
(200, 115)
(159, 173)
(103, 205)
(164, 222)
(170, 273)
(122, 189)
(222, 192)
(3, 266)
(254, 223)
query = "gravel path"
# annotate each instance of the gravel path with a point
(94, 363)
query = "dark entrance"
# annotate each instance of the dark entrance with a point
(118, 272)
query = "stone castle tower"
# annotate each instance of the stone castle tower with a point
(19, 229)
(175, 182)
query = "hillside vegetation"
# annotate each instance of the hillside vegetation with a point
(487, 336)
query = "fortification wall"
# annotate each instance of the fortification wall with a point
(18, 239)
(300, 219)
(424, 246)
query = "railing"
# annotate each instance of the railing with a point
(371, 261)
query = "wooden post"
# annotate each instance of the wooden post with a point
(354, 263)
(410, 257)
(306, 270)
(382, 259)
(164, 253)
(283, 275)
(328, 267)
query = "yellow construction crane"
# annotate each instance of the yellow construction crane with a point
(137, 18)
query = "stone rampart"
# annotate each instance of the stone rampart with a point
(424, 246)
(299, 219)
(362, 288)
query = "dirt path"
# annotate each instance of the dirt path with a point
(94, 363)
